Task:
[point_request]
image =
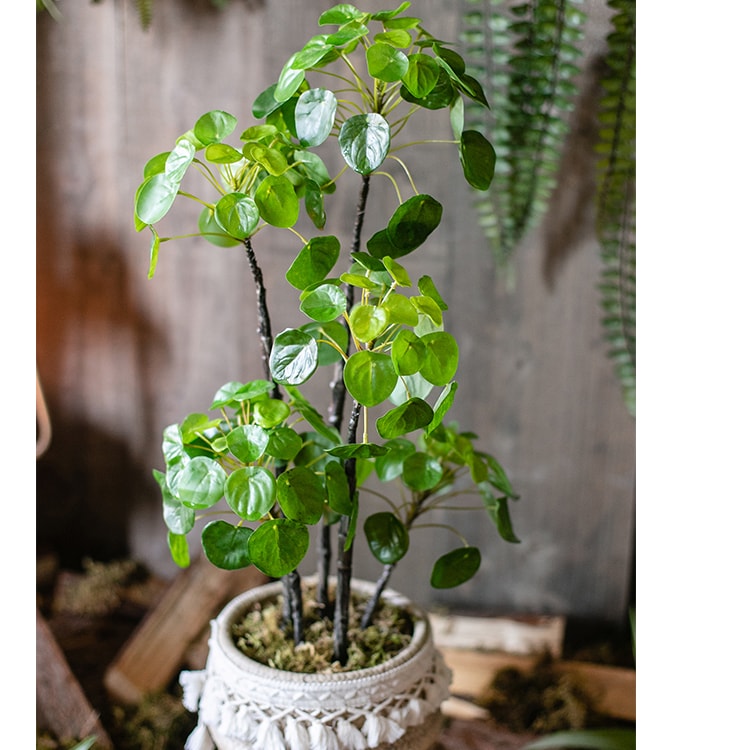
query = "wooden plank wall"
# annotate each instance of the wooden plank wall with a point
(120, 356)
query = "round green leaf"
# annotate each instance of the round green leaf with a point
(387, 537)
(155, 197)
(386, 63)
(225, 545)
(407, 352)
(413, 222)
(211, 230)
(328, 334)
(367, 322)
(266, 103)
(214, 126)
(251, 492)
(441, 360)
(221, 153)
(400, 310)
(396, 37)
(284, 443)
(323, 303)
(247, 442)
(311, 54)
(269, 412)
(369, 377)
(357, 450)
(178, 518)
(422, 75)
(364, 141)
(277, 201)
(443, 93)
(201, 483)
(409, 416)
(290, 79)
(421, 471)
(272, 160)
(237, 215)
(179, 160)
(277, 547)
(294, 357)
(314, 115)
(455, 568)
(233, 393)
(314, 262)
(477, 159)
(301, 495)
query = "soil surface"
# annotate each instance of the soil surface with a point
(93, 610)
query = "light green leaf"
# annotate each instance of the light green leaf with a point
(247, 442)
(201, 483)
(314, 262)
(178, 518)
(294, 357)
(422, 75)
(407, 352)
(237, 215)
(367, 322)
(323, 303)
(214, 126)
(277, 201)
(179, 160)
(369, 377)
(211, 230)
(178, 548)
(251, 492)
(441, 359)
(155, 197)
(278, 546)
(314, 116)
(386, 63)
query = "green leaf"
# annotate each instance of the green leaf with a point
(178, 548)
(303, 406)
(154, 253)
(338, 14)
(441, 357)
(277, 547)
(477, 159)
(271, 159)
(407, 352)
(277, 201)
(251, 492)
(179, 160)
(284, 443)
(390, 465)
(428, 289)
(294, 357)
(364, 141)
(387, 537)
(225, 545)
(397, 272)
(411, 224)
(155, 197)
(301, 495)
(237, 215)
(269, 412)
(400, 310)
(421, 471)
(347, 33)
(387, 15)
(233, 393)
(247, 442)
(369, 377)
(455, 568)
(178, 518)
(311, 54)
(314, 116)
(367, 322)
(337, 489)
(442, 406)
(314, 262)
(427, 306)
(586, 739)
(422, 75)
(497, 508)
(214, 126)
(315, 204)
(323, 303)
(396, 36)
(409, 416)
(443, 94)
(201, 483)
(290, 79)
(211, 230)
(358, 450)
(328, 334)
(266, 103)
(221, 153)
(386, 63)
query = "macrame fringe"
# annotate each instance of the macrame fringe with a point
(379, 729)
(349, 736)
(322, 737)
(200, 739)
(192, 686)
(296, 735)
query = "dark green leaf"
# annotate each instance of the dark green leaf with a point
(455, 568)
(497, 508)
(364, 141)
(421, 471)
(226, 546)
(284, 443)
(358, 450)
(237, 215)
(369, 377)
(421, 76)
(412, 223)
(314, 262)
(387, 537)
(301, 495)
(247, 442)
(337, 489)
(390, 465)
(586, 739)
(277, 547)
(409, 416)
(477, 159)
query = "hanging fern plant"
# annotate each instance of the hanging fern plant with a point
(525, 55)
(615, 217)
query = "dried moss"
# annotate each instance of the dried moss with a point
(159, 722)
(263, 636)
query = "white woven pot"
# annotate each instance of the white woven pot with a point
(245, 705)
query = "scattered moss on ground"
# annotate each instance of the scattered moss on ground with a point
(158, 722)
(263, 636)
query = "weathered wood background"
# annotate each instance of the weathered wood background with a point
(120, 356)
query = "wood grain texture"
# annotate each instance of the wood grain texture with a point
(120, 356)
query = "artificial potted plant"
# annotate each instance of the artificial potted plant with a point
(278, 467)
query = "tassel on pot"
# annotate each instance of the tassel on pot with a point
(269, 736)
(296, 735)
(378, 729)
(322, 737)
(349, 736)
(200, 739)
(192, 685)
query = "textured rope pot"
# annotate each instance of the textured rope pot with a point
(245, 705)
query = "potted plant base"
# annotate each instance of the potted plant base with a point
(243, 704)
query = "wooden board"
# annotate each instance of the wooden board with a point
(61, 705)
(154, 653)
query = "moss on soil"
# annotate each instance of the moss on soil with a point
(263, 636)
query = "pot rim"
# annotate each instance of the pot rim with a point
(236, 608)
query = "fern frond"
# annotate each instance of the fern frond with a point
(615, 216)
(145, 12)
(525, 56)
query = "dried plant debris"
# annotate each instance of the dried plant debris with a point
(100, 590)
(540, 701)
(263, 636)
(159, 722)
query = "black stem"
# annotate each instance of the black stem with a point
(292, 609)
(372, 604)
